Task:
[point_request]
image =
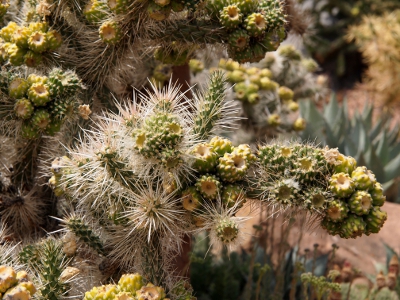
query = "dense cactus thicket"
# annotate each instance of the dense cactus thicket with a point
(97, 188)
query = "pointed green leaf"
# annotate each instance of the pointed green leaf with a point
(392, 169)
(377, 128)
(350, 148)
(331, 111)
(382, 149)
(375, 164)
(367, 116)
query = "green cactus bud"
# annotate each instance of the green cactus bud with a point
(255, 24)
(95, 11)
(316, 198)
(285, 93)
(267, 84)
(150, 292)
(251, 88)
(352, 227)
(347, 164)
(20, 37)
(233, 195)
(196, 66)
(170, 159)
(232, 167)
(363, 178)
(375, 219)
(28, 131)
(236, 76)
(341, 185)
(221, 145)
(274, 120)
(37, 42)
(23, 109)
(41, 119)
(191, 199)
(337, 211)
(106, 292)
(360, 203)
(109, 32)
(16, 55)
(246, 6)
(8, 278)
(130, 283)
(7, 32)
(54, 40)
(32, 59)
(61, 82)
(157, 12)
(4, 5)
(333, 228)
(238, 40)
(305, 169)
(230, 17)
(227, 230)
(253, 71)
(299, 124)
(18, 88)
(378, 199)
(284, 192)
(38, 26)
(206, 158)
(294, 106)
(208, 186)
(39, 94)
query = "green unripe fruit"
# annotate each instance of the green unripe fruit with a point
(246, 6)
(255, 79)
(208, 186)
(341, 185)
(274, 120)
(130, 283)
(39, 94)
(294, 106)
(18, 88)
(378, 199)
(337, 211)
(53, 127)
(110, 32)
(41, 119)
(32, 59)
(191, 199)
(196, 66)
(236, 76)
(16, 55)
(251, 88)
(23, 108)
(238, 40)
(333, 228)
(233, 195)
(289, 52)
(255, 24)
(253, 98)
(7, 32)
(375, 220)
(157, 12)
(206, 158)
(352, 227)
(63, 83)
(230, 17)
(285, 93)
(267, 84)
(221, 145)
(265, 73)
(28, 131)
(37, 42)
(360, 203)
(54, 40)
(95, 11)
(232, 167)
(347, 164)
(299, 124)
(20, 37)
(241, 94)
(229, 65)
(119, 6)
(363, 178)
(226, 230)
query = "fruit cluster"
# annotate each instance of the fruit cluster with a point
(130, 286)
(358, 198)
(254, 27)
(4, 5)
(220, 167)
(26, 44)
(42, 102)
(15, 285)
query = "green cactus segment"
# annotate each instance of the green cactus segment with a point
(255, 24)
(95, 11)
(273, 12)
(238, 40)
(37, 42)
(363, 178)
(23, 108)
(130, 283)
(221, 145)
(316, 198)
(41, 119)
(158, 12)
(305, 169)
(378, 199)
(341, 184)
(345, 164)
(233, 195)
(230, 17)
(206, 158)
(360, 203)
(18, 88)
(247, 6)
(106, 292)
(28, 131)
(85, 234)
(150, 291)
(333, 228)
(119, 6)
(337, 211)
(39, 94)
(208, 186)
(353, 226)
(63, 83)
(208, 112)
(20, 37)
(29, 255)
(375, 219)
(232, 166)
(16, 55)
(226, 230)
(54, 40)
(110, 32)
(191, 199)
(32, 59)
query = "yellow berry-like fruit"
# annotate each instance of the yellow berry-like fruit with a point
(8, 278)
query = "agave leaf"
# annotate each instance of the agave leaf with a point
(394, 150)
(393, 135)
(364, 142)
(350, 147)
(361, 161)
(316, 122)
(367, 116)
(379, 267)
(387, 185)
(389, 253)
(392, 168)
(382, 149)
(341, 125)
(331, 111)
(377, 129)
(374, 164)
